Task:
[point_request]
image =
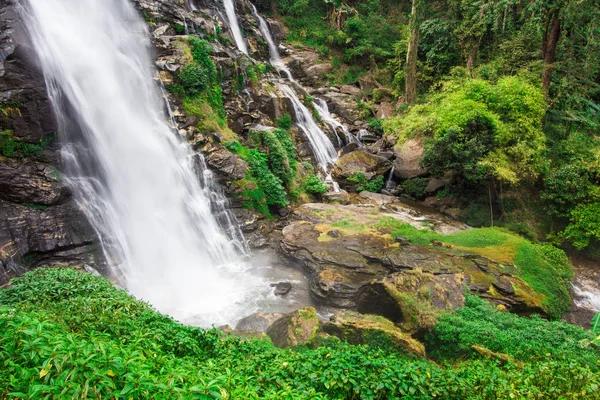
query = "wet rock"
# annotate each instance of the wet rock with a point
(408, 157)
(230, 165)
(366, 163)
(31, 182)
(298, 327)
(281, 288)
(360, 329)
(258, 322)
(334, 233)
(349, 148)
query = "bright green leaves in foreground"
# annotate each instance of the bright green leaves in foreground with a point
(65, 334)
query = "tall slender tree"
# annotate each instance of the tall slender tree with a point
(410, 73)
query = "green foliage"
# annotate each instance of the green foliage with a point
(270, 184)
(363, 184)
(314, 185)
(415, 187)
(10, 147)
(525, 339)
(567, 187)
(66, 334)
(584, 226)
(280, 152)
(285, 122)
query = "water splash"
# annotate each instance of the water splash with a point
(164, 229)
(235, 26)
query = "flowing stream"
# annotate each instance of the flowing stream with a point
(163, 227)
(235, 26)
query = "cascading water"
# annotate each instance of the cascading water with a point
(325, 153)
(163, 228)
(235, 26)
(273, 51)
(334, 125)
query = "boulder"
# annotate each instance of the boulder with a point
(363, 267)
(361, 161)
(384, 110)
(230, 165)
(377, 198)
(350, 90)
(408, 157)
(298, 327)
(360, 329)
(413, 297)
(258, 322)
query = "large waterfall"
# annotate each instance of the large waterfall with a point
(275, 60)
(145, 192)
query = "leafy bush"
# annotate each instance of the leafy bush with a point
(478, 323)
(314, 185)
(584, 226)
(415, 187)
(269, 183)
(363, 184)
(285, 122)
(66, 334)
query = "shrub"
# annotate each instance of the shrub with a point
(314, 185)
(275, 194)
(66, 334)
(285, 122)
(415, 187)
(363, 184)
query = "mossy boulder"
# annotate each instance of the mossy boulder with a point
(360, 161)
(374, 330)
(414, 298)
(407, 279)
(298, 327)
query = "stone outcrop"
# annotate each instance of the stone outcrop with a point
(259, 322)
(362, 267)
(361, 161)
(40, 224)
(361, 329)
(298, 327)
(408, 156)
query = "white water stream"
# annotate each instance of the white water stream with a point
(323, 110)
(164, 229)
(235, 26)
(273, 51)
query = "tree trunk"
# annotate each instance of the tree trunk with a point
(550, 43)
(410, 95)
(471, 57)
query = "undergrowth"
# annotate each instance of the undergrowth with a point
(66, 334)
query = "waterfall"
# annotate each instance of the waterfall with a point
(390, 181)
(273, 51)
(586, 297)
(235, 26)
(334, 125)
(164, 229)
(325, 153)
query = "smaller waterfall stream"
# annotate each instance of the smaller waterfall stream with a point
(235, 26)
(273, 51)
(323, 110)
(325, 153)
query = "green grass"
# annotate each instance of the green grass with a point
(67, 334)
(545, 268)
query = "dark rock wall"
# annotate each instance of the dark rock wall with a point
(40, 224)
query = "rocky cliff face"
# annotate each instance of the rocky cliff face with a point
(40, 224)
